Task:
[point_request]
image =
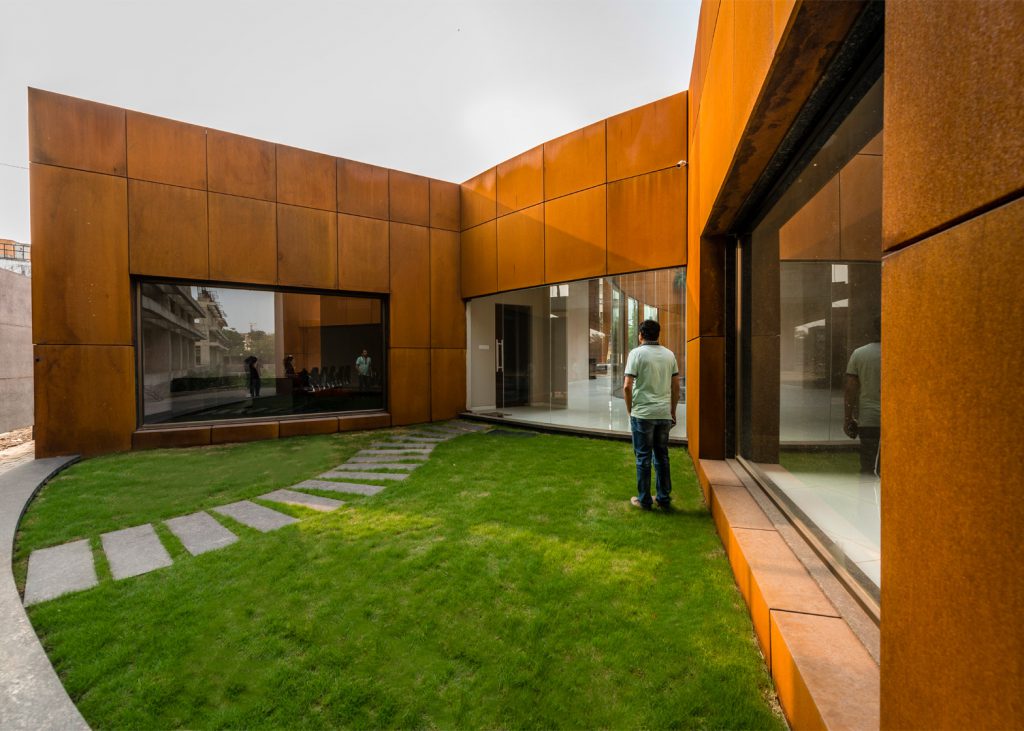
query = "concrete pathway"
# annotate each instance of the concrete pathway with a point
(134, 551)
(31, 696)
(352, 487)
(200, 532)
(366, 475)
(363, 458)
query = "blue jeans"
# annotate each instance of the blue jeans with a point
(651, 436)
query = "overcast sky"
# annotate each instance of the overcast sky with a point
(441, 88)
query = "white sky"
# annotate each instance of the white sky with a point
(443, 88)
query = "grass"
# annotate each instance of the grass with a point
(506, 584)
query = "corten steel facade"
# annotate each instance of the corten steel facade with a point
(117, 195)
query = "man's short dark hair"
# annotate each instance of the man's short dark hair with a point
(650, 330)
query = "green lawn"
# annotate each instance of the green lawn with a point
(506, 584)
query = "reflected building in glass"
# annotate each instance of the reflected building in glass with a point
(219, 353)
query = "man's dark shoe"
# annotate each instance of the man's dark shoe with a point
(635, 502)
(665, 505)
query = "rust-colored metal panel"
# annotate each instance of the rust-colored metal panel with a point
(80, 285)
(243, 239)
(306, 178)
(447, 313)
(356, 422)
(574, 236)
(227, 433)
(705, 34)
(192, 436)
(575, 161)
(363, 254)
(479, 199)
(409, 385)
(410, 198)
(479, 260)
(521, 249)
(521, 181)
(410, 286)
(754, 38)
(84, 399)
(444, 205)
(240, 165)
(168, 234)
(648, 138)
(647, 221)
(447, 383)
(954, 127)
(164, 151)
(76, 133)
(307, 247)
(951, 364)
(306, 427)
(362, 189)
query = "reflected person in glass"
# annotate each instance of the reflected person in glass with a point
(863, 400)
(651, 392)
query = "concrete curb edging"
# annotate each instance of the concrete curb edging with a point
(31, 694)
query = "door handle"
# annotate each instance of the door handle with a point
(499, 355)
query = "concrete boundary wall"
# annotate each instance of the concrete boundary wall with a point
(15, 351)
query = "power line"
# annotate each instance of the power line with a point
(9, 165)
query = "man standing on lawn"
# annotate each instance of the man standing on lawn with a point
(651, 391)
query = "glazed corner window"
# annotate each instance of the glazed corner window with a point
(220, 353)
(556, 354)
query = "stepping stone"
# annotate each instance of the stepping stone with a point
(405, 446)
(59, 570)
(422, 440)
(367, 475)
(199, 533)
(410, 452)
(450, 433)
(134, 551)
(376, 466)
(256, 516)
(348, 487)
(383, 458)
(290, 497)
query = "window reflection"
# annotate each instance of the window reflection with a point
(555, 354)
(214, 353)
(813, 316)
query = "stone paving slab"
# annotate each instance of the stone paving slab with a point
(404, 446)
(370, 459)
(357, 466)
(59, 570)
(290, 497)
(200, 532)
(134, 551)
(411, 452)
(348, 487)
(366, 475)
(470, 426)
(416, 439)
(256, 516)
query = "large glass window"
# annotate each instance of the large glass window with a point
(555, 354)
(213, 353)
(811, 372)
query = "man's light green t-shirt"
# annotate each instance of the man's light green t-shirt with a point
(652, 367)
(866, 364)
